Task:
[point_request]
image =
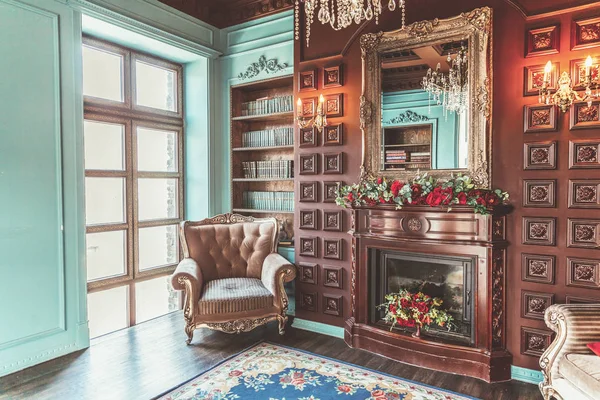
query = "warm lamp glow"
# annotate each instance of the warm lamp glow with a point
(548, 67)
(299, 103)
(321, 99)
(588, 61)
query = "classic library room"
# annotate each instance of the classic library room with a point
(300, 199)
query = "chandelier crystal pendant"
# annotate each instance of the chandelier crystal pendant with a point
(449, 90)
(341, 14)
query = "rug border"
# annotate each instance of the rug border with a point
(317, 355)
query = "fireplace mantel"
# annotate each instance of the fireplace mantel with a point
(423, 229)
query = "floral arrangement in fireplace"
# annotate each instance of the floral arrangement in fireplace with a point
(422, 190)
(417, 310)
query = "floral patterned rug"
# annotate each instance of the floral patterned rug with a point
(273, 372)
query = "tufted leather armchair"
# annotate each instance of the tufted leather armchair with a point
(232, 275)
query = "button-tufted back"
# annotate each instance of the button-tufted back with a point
(229, 250)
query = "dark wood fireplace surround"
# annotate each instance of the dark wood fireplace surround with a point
(422, 229)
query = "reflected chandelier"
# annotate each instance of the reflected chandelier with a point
(449, 90)
(341, 13)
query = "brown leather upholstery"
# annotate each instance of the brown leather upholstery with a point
(232, 276)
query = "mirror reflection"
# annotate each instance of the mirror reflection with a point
(424, 100)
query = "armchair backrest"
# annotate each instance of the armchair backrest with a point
(229, 245)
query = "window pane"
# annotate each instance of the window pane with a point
(155, 87)
(157, 198)
(106, 254)
(107, 311)
(154, 298)
(104, 145)
(102, 74)
(158, 246)
(157, 150)
(104, 200)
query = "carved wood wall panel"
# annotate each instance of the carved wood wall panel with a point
(534, 341)
(583, 272)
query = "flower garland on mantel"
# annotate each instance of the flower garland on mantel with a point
(422, 190)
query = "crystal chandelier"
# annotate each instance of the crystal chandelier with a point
(341, 13)
(449, 90)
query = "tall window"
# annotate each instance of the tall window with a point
(133, 183)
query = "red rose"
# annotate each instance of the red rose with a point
(350, 197)
(422, 307)
(481, 201)
(379, 180)
(417, 190)
(377, 392)
(396, 186)
(462, 198)
(235, 372)
(435, 197)
(492, 199)
(382, 200)
(393, 308)
(404, 303)
(344, 388)
(410, 323)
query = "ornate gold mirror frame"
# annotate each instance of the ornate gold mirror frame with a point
(474, 26)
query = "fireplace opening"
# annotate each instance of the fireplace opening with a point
(447, 277)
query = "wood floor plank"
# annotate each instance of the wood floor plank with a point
(151, 358)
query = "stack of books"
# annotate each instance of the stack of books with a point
(268, 105)
(282, 136)
(274, 201)
(420, 156)
(268, 169)
(396, 157)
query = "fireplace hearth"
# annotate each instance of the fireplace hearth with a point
(456, 255)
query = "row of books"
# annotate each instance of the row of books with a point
(275, 201)
(420, 156)
(267, 105)
(283, 136)
(268, 169)
(402, 156)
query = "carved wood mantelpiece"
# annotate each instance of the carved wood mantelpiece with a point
(458, 232)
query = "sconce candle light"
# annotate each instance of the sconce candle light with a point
(319, 119)
(565, 95)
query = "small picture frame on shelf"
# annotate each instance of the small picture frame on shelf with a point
(307, 80)
(333, 163)
(333, 135)
(332, 77)
(540, 118)
(585, 33)
(308, 137)
(542, 41)
(334, 105)
(308, 164)
(534, 79)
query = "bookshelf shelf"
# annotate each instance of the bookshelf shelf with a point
(407, 147)
(270, 136)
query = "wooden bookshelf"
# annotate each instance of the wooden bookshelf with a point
(406, 147)
(264, 146)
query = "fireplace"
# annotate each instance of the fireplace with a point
(447, 277)
(457, 255)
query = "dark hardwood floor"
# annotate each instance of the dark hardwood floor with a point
(151, 358)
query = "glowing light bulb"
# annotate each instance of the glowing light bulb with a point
(547, 70)
(588, 65)
(321, 99)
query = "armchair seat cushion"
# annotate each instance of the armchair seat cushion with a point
(582, 371)
(231, 295)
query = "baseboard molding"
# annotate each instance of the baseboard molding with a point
(526, 375)
(318, 327)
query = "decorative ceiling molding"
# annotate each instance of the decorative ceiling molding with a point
(535, 9)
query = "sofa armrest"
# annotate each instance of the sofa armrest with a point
(275, 272)
(575, 325)
(188, 277)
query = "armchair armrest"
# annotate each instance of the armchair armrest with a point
(575, 325)
(188, 277)
(275, 272)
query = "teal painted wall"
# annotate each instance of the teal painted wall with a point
(444, 138)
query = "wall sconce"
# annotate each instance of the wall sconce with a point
(565, 95)
(318, 121)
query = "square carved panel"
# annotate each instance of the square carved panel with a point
(333, 163)
(308, 137)
(308, 107)
(583, 117)
(309, 219)
(308, 192)
(330, 190)
(540, 118)
(309, 247)
(332, 77)
(539, 231)
(584, 154)
(542, 41)
(578, 73)
(534, 79)
(534, 341)
(537, 268)
(585, 33)
(583, 272)
(334, 105)
(333, 276)
(308, 273)
(332, 304)
(534, 304)
(583, 233)
(333, 135)
(332, 220)
(584, 193)
(308, 301)
(307, 80)
(539, 193)
(580, 300)
(539, 155)
(333, 248)
(308, 164)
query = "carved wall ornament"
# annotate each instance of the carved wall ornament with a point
(308, 137)
(308, 219)
(484, 103)
(539, 231)
(366, 112)
(534, 304)
(534, 79)
(333, 135)
(540, 118)
(534, 341)
(368, 45)
(583, 233)
(333, 248)
(582, 272)
(498, 294)
(332, 220)
(582, 116)
(330, 190)
(542, 41)
(539, 193)
(333, 276)
(585, 33)
(308, 301)
(407, 117)
(270, 66)
(308, 164)
(308, 192)
(537, 268)
(584, 193)
(308, 273)
(332, 77)
(333, 163)
(421, 29)
(332, 304)
(539, 155)
(308, 246)
(584, 154)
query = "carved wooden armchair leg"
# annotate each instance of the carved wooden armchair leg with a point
(189, 331)
(282, 322)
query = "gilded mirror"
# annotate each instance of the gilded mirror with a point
(426, 100)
